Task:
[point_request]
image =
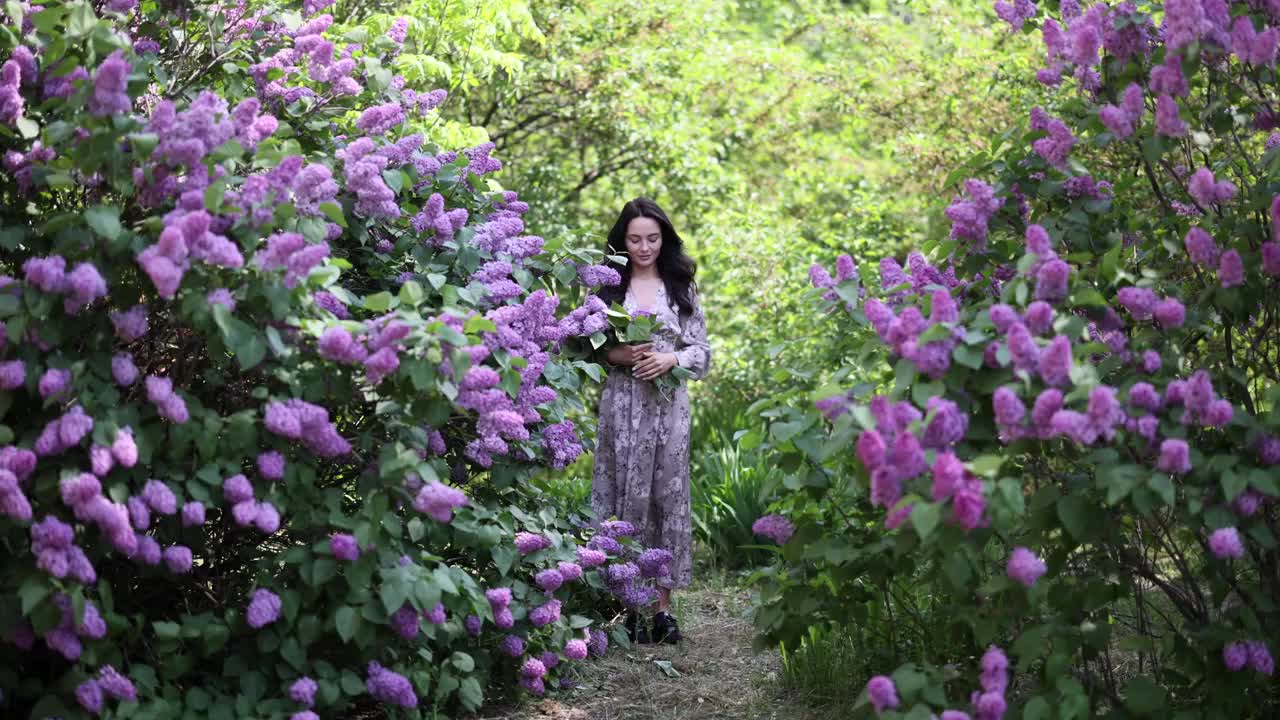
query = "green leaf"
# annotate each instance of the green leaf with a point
(1143, 696)
(925, 517)
(478, 324)
(323, 571)
(351, 683)
(1073, 513)
(105, 220)
(986, 465)
(33, 590)
(462, 661)
(346, 621)
(167, 630)
(1037, 708)
(470, 693)
(1233, 483)
(333, 211)
(393, 594)
(378, 302)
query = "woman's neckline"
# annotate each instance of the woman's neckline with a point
(635, 299)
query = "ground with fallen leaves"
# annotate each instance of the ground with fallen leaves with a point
(713, 674)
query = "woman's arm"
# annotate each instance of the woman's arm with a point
(693, 352)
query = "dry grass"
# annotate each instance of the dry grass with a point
(715, 675)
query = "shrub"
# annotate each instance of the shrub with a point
(275, 368)
(1078, 448)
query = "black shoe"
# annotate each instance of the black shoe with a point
(666, 629)
(637, 629)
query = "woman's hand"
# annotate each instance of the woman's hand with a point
(653, 364)
(628, 354)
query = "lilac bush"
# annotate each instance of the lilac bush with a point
(275, 365)
(1071, 442)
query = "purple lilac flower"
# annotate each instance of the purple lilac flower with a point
(527, 543)
(653, 563)
(438, 501)
(549, 580)
(264, 608)
(303, 691)
(512, 646)
(1225, 543)
(1230, 269)
(178, 559)
(545, 614)
(123, 370)
(54, 383)
(1051, 281)
(13, 375)
(111, 87)
(130, 324)
(775, 527)
(1235, 656)
(344, 546)
(1056, 362)
(390, 687)
(599, 643)
(591, 557)
(1260, 658)
(1024, 567)
(193, 514)
(1175, 457)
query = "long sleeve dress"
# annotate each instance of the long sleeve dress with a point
(641, 471)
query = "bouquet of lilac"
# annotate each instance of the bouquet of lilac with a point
(640, 327)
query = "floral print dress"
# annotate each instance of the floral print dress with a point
(641, 471)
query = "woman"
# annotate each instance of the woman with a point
(641, 472)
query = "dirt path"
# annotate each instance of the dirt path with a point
(713, 674)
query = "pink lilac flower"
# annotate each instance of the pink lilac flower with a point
(575, 649)
(1271, 258)
(1168, 121)
(1201, 247)
(1057, 146)
(995, 670)
(1024, 567)
(882, 693)
(1230, 269)
(1056, 362)
(969, 505)
(948, 476)
(1225, 543)
(1170, 313)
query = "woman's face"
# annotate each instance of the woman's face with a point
(644, 242)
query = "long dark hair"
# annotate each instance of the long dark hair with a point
(674, 267)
